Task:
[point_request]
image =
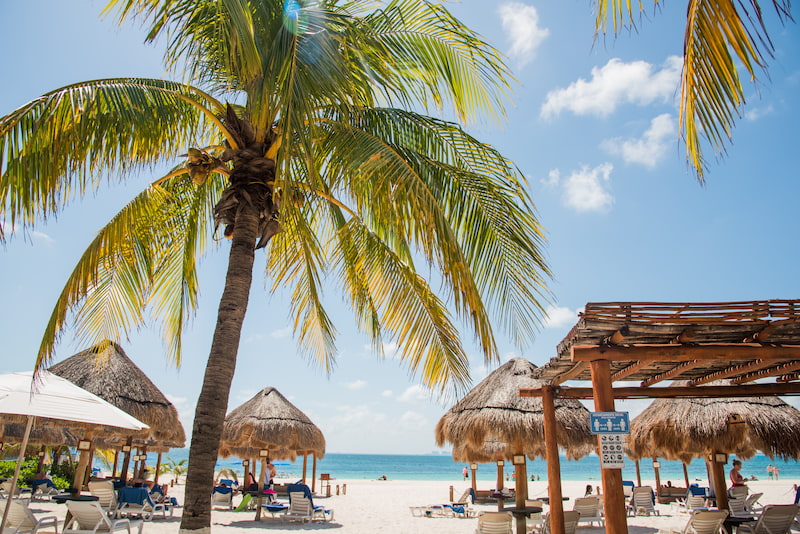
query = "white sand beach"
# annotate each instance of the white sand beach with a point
(384, 506)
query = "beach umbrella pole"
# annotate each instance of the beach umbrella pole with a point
(14, 480)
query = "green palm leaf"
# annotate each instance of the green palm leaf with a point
(62, 143)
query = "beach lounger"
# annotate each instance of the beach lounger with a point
(702, 522)
(774, 519)
(137, 502)
(22, 521)
(589, 508)
(494, 523)
(571, 518)
(105, 493)
(301, 506)
(42, 489)
(88, 517)
(751, 503)
(642, 502)
(534, 521)
(222, 497)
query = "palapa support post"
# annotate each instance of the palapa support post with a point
(521, 490)
(158, 469)
(614, 497)
(639, 474)
(500, 469)
(718, 478)
(553, 461)
(314, 474)
(126, 460)
(686, 476)
(656, 465)
(305, 465)
(114, 465)
(451, 493)
(83, 461)
(474, 467)
(261, 479)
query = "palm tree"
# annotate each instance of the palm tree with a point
(302, 134)
(718, 33)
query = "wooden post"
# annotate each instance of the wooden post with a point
(638, 474)
(474, 467)
(41, 454)
(553, 461)
(657, 474)
(126, 460)
(80, 471)
(718, 479)
(521, 490)
(500, 472)
(686, 476)
(262, 477)
(158, 469)
(314, 474)
(114, 466)
(614, 497)
(305, 465)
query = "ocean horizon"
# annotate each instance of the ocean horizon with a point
(435, 467)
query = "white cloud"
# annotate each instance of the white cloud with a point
(355, 385)
(613, 84)
(185, 412)
(553, 178)
(756, 113)
(42, 238)
(559, 317)
(414, 393)
(387, 393)
(586, 190)
(281, 333)
(521, 25)
(651, 148)
(413, 421)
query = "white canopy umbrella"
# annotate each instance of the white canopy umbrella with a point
(53, 397)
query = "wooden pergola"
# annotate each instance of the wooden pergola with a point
(651, 343)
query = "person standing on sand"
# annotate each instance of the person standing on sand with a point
(465, 472)
(769, 471)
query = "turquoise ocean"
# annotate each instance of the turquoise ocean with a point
(436, 467)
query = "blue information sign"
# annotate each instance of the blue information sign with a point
(609, 422)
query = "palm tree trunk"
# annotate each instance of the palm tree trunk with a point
(212, 404)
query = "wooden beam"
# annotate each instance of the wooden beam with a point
(684, 353)
(747, 390)
(685, 337)
(629, 370)
(773, 371)
(731, 371)
(761, 335)
(574, 371)
(675, 371)
(553, 462)
(617, 338)
(791, 377)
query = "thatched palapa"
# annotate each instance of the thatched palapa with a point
(106, 371)
(686, 428)
(268, 421)
(494, 411)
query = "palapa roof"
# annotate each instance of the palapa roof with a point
(686, 428)
(493, 412)
(698, 342)
(268, 421)
(106, 371)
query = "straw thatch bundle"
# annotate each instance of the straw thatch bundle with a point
(682, 429)
(494, 411)
(45, 432)
(491, 451)
(270, 422)
(106, 371)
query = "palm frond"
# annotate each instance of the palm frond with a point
(145, 256)
(61, 144)
(719, 33)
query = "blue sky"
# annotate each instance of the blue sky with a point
(593, 126)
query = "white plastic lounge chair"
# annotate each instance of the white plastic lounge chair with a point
(691, 503)
(105, 493)
(589, 508)
(534, 521)
(494, 523)
(88, 517)
(737, 507)
(137, 502)
(702, 522)
(222, 497)
(642, 502)
(22, 521)
(751, 503)
(301, 506)
(19, 493)
(774, 519)
(42, 490)
(571, 518)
